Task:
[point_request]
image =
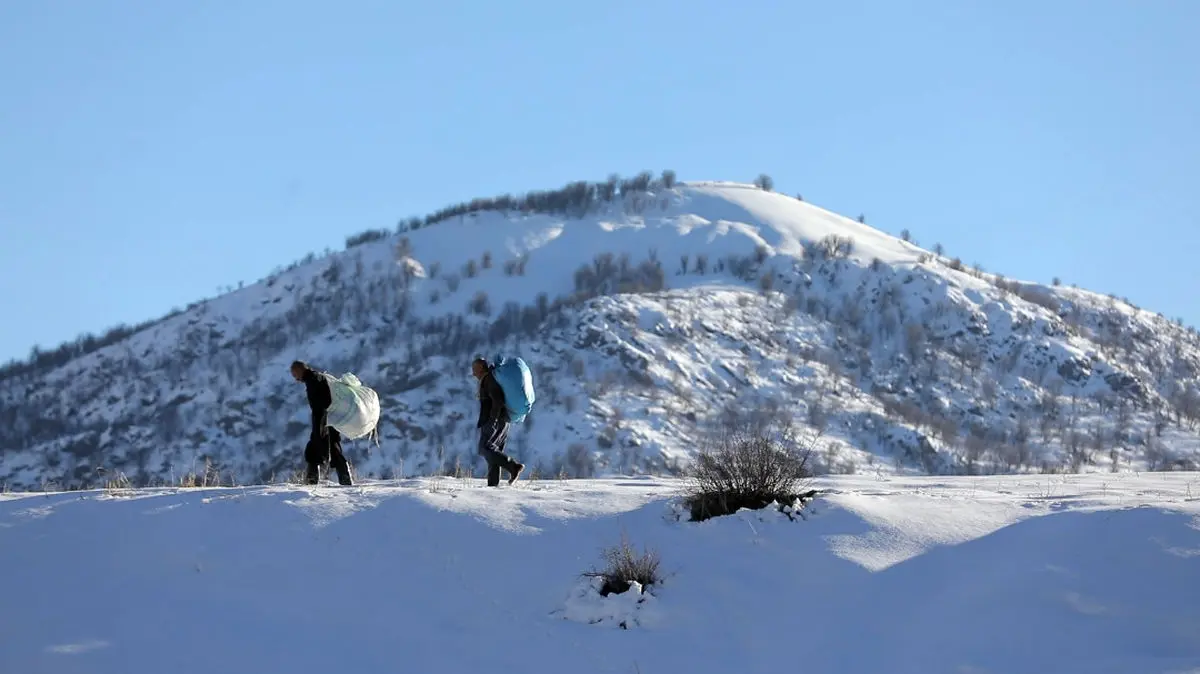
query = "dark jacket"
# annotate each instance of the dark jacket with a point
(319, 400)
(491, 400)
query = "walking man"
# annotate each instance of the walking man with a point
(324, 442)
(493, 425)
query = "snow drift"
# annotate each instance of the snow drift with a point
(1057, 574)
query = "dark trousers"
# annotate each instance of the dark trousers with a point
(328, 449)
(492, 439)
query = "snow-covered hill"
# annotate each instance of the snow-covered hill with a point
(648, 313)
(1069, 574)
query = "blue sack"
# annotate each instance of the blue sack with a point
(515, 379)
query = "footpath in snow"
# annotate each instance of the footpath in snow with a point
(1094, 573)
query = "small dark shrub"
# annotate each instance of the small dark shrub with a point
(766, 282)
(748, 466)
(367, 237)
(479, 304)
(623, 565)
(831, 247)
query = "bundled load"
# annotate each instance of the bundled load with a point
(515, 379)
(354, 411)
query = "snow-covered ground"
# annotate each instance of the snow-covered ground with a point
(1051, 573)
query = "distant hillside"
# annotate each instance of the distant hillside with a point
(649, 310)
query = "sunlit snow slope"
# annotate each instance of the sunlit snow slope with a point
(646, 318)
(1065, 574)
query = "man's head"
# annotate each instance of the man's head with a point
(298, 369)
(479, 367)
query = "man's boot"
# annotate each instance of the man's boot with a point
(312, 475)
(514, 469)
(343, 473)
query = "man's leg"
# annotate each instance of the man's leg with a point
(510, 464)
(493, 469)
(337, 460)
(315, 454)
(496, 442)
(491, 442)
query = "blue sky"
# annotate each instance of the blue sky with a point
(151, 152)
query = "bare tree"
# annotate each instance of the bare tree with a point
(914, 341)
(947, 432)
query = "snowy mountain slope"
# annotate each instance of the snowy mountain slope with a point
(1066, 574)
(646, 317)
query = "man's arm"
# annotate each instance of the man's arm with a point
(319, 400)
(318, 424)
(485, 404)
(495, 397)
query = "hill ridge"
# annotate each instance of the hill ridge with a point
(897, 356)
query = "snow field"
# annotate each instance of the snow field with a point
(1077, 573)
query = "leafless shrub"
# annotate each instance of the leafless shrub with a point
(480, 304)
(624, 566)
(579, 461)
(208, 476)
(831, 247)
(748, 465)
(766, 282)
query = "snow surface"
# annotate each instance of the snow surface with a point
(1076, 573)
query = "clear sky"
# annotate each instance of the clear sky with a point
(152, 152)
